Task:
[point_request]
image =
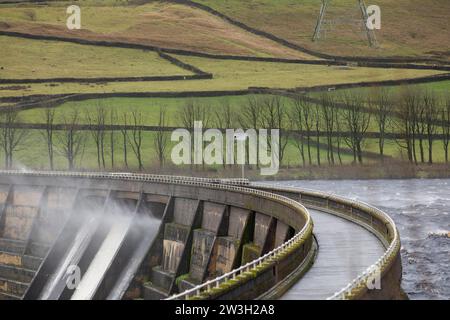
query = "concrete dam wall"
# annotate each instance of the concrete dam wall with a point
(133, 236)
(68, 236)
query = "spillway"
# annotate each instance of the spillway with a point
(148, 229)
(103, 259)
(57, 281)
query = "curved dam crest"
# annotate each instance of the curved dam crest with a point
(345, 250)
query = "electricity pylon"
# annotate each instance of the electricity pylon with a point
(364, 16)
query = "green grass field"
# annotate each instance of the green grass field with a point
(150, 107)
(33, 155)
(441, 88)
(236, 75)
(24, 58)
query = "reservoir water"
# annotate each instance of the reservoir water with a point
(421, 210)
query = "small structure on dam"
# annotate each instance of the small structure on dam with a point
(117, 236)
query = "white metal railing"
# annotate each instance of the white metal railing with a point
(384, 261)
(128, 176)
(201, 182)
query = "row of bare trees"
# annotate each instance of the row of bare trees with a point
(305, 124)
(331, 124)
(68, 135)
(324, 119)
(10, 138)
(418, 117)
(421, 114)
(70, 142)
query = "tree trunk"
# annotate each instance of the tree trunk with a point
(358, 148)
(112, 148)
(318, 149)
(430, 150)
(125, 154)
(308, 141)
(381, 147)
(422, 154)
(102, 149)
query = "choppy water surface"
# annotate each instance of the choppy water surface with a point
(421, 210)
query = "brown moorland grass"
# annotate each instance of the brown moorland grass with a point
(156, 23)
(413, 28)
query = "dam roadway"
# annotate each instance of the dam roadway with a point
(345, 250)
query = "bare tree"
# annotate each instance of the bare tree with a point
(445, 117)
(430, 105)
(275, 116)
(96, 121)
(249, 117)
(299, 123)
(112, 136)
(328, 116)
(317, 125)
(135, 141)
(11, 136)
(338, 130)
(250, 114)
(420, 122)
(406, 122)
(192, 112)
(357, 121)
(224, 119)
(381, 102)
(223, 116)
(161, 138)
(124, 132)
(71, 140)
(48, 134)
(303, 109)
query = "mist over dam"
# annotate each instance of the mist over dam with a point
(84, 236)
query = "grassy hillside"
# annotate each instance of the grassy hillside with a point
(155, 23)
(409, 27)
(414, 30)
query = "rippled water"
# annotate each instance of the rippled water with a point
(421, 210)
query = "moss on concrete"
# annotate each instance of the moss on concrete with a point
(250, 252)
(181, 278)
